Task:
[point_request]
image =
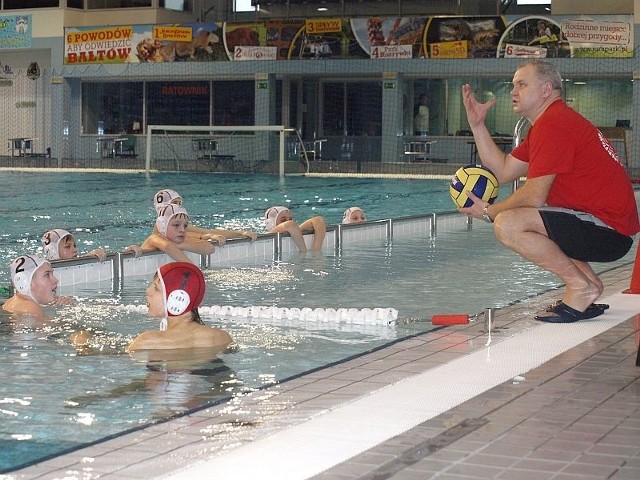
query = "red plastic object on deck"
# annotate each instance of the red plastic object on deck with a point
(450, 319)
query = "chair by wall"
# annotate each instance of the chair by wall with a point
(126, 146)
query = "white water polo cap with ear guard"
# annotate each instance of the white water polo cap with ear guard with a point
(165, 214)
(183, 287)
(271, 216)
(51, 243)
(346, 217)
(166, 197)
(22, 270)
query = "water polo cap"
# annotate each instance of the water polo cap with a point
(271, 215)
(165, 197)
(346, 218)
(183, 287)
(51, 243)
(165, 214)
(22, 270)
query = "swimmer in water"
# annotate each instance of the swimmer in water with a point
(279, 220)
(35, 285)
(353, 215)
(59, 244)
(218, 235)
(170, 235)
(173, 297)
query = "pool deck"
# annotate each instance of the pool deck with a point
(539, 401)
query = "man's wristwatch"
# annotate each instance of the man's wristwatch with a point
(485, 214)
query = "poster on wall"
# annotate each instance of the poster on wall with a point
(143, 44)
(311, 39)
(258, 41)
(376, 38)
(15, 31)
(392, 37)
(604, 36)
(462, 37)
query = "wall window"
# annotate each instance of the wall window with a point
(234, 103)
(178, 103)
(111, 107)
(602, 101)
(102, 4)
(351, 108)
(178, 5)
(22, 4)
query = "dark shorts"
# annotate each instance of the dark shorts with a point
(582, 239)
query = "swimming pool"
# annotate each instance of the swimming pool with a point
(115, 210)
(58, 400)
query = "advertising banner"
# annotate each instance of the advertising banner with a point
(602, 36)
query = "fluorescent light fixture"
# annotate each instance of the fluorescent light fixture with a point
(322, 9)
(534, 2)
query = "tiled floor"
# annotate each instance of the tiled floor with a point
(575, 415)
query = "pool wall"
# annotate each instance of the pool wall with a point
(268, 247)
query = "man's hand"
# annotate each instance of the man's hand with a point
(476, 111)
(475, 210)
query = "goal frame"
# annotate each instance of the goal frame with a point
(210, 129)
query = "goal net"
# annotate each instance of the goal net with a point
(229, 148)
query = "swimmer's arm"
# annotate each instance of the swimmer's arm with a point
(209, 235)
(203, 247)
(319, 228)
(238, 234)
(291, 227)
(156, 242)
(97, 252)
(81, 342)
(219, 235)
(63, 300)
(136, 249)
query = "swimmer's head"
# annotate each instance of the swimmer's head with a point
(353, 215)
(51, 242)
(183, 287)
(166, 213)
(22, 270)
(276, 215)
(165, 197)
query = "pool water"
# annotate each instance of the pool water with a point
(55, 399)
(113, 211)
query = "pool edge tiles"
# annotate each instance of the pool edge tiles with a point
(327, 439)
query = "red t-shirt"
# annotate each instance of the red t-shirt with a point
(589, 175)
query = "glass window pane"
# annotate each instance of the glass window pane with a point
(364, 109)
(75, 4)
(99, 4)
(234, 103)
(177, 103)
(15, 4)
(352, 109)
(111, 107)
(179, 5)
(333, 114)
